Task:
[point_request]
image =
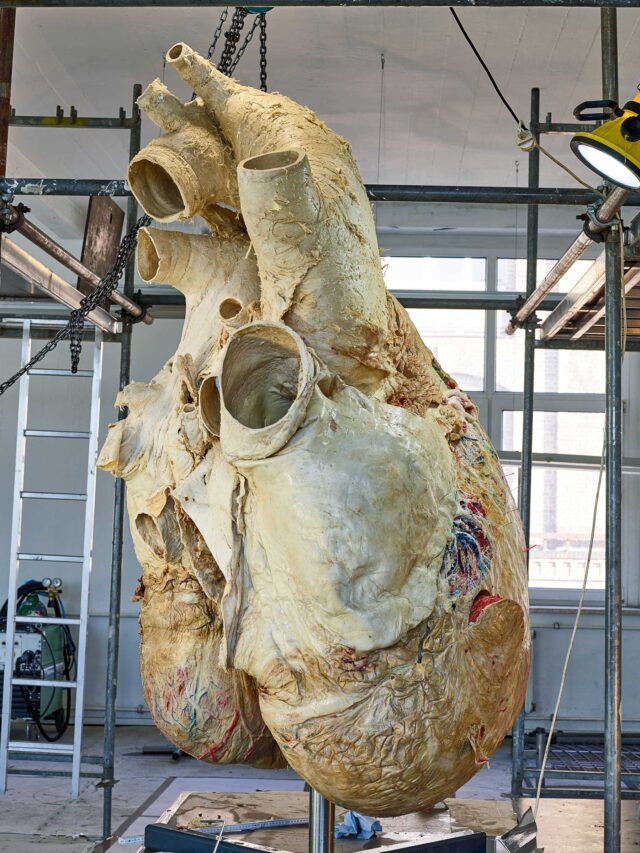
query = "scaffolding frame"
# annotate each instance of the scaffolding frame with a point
(533, 196)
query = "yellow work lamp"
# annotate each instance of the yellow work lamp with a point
(613, 149)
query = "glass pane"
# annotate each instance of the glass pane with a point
(561, 514)
(456, 338)
(556, 432)
(512, 274)
(434, 273)
(556, 371)
(512, 476)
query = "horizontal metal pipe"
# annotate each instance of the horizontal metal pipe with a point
(480, 300)
(64, 186)
(633, 344)
(376, 192)
(43, 241)
(577, 793)
(610, 206)
(630, 466)
(30, 269)
(479, 195)
(74, 122)
(560, 127)
(118, 4)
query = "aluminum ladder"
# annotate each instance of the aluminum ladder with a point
(56, 751)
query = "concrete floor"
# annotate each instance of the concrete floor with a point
(36, 814)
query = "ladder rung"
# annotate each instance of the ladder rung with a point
(54, 496)
(56, 433)
(46, 620)
(51, 558)
(54, 371)
(33, 746)
(42, 682)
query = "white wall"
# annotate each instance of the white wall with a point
(59, 464)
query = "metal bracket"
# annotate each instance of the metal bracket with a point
(532, 322)
(11, 216)
(599, 232)
(106, 783)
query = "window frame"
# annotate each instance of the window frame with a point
(492, 404)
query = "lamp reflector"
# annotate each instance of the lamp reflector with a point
(612, 150)
(608, 165)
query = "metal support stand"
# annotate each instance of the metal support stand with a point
(613, 553)
(160, 837)
(322, 818)
(527, 417)
(113, 644)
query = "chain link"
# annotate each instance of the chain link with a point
(73, 329)
(231, 56)
(231, 53)
(244, 46)
(232, 37)
(216, 35)
(263, 51)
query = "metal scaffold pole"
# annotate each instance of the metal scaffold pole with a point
(524, 493)
(322, 815)
(613, 552)
(113, 646)
(7, 33)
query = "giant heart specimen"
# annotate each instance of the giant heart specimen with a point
(333, 567)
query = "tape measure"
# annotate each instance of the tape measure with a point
(231, 828)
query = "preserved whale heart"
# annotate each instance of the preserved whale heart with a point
(334, 573)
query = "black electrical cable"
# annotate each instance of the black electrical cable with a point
(68, 651)
(469, 41)
(34, 711)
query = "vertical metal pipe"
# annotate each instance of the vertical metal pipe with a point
(7, 32)
(524, 492)
(322, 816)
(113, 641)
(613, 551)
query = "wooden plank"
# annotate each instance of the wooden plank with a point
(631, 280)
(102, 231)
(26, 266)
(585, 291)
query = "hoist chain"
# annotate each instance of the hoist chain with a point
(216, 35)
(231, 53)
(232, 37)
(244, 46)
(73, 329)
(263, 51)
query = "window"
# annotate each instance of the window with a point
(556, 432)
(562, 502)
(456, 337)
(568, 421)
(557, 371)
(434, 273)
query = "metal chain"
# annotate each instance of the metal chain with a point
(216, 35)
(244, 46)
(231, 54)
(263, 51)
(232, 37)
(73, 329)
